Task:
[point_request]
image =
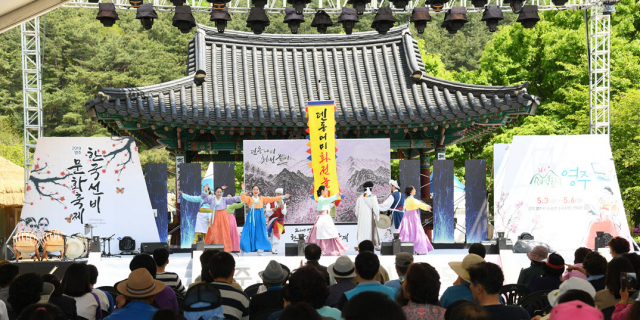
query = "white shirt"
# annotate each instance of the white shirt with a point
(386, 205)
(4, 315)
(104, 300)
(269, 211)
(86, 306)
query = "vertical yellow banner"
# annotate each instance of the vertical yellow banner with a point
(322, 145)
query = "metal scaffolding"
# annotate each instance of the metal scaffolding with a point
(599, 70)
(31, 90)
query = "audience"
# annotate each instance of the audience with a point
(306, 284)
(301, 310)
(372, 306)
(343, 271)
(595, 267)
(171, 279)
(24, 290)
(4, 314)
(479, 249)
(312, 253)
(383, 275)
(8, 273)
(106, 300)
(235, 303)
(273, 277)
(466, 310)
(618, 246)
(610, 295)
(460, 288)
(537, 256)
(575, 310)
(634, 259)
(578, 259)
(204, 276)
(41, 311)
(553, 269)
(65, 303)
(403, 260)
(203, 301)
(486, 280)
(167, 297)
(75, 284)
(367, 266)
(167, 314)
(140, 290)
(419, 293)
(573, 284)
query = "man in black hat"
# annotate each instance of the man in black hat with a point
(273, 277)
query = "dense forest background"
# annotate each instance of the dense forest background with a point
(79, 53)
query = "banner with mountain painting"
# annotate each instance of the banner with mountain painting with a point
(273, 164)
(561, 189)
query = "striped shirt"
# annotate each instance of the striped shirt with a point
(235, 303)
(172, 280)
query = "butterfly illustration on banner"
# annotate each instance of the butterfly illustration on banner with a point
(119, 190)
(68, 219)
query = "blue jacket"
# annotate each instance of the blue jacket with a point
(134, 310)
(371, 286)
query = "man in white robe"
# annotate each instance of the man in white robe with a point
(367, 212)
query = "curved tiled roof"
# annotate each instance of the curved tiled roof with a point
(266, 80)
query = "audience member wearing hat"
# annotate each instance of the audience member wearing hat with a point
(140, 290)
(203, 301)
(571, 284)
(344, 271)
(65, 303)
(273, 277)
(486, 280)
(553, 269)
(537, 256)
(403, 260)
(575, 310)
(460, 288)
(572, 295)
(167, 297)
(419, 293)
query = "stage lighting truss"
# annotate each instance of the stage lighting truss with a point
(146, 15)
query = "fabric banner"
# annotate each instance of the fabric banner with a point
(190, 183)
(155, 175)
(97, 181)
(443, 204)
(322, 146)
(475, 178)
(561, 189)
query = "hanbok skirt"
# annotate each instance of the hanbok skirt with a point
(254, 232)
(233, 232)
(325, 235)
(411, 231)
(219, 231)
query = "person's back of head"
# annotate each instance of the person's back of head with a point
(42, 311)
(488, 275)
(8, 272)
(575, 294)
(615, 267)
(634, 258)
(466, 310)
(25, 290)
(75, 282)
(298, 311)
(478, 249)
(554, 266)
(595, 264)
(619, 245)
(306, 284)
(205, 257)
(222, 265)
(366, 245)
(421, 284)
(93, 274)
(580, 254)
(161, 256)
(143, 260)
(371, 305)
(203, 301)
(367, 265)
(312, 252)
(53, 279)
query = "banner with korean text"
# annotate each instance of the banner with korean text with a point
(322, 145)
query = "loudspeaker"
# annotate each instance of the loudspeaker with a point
(387, 248)
(148, 247)
(290, 249)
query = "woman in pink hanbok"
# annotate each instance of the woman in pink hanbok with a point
(411, 227)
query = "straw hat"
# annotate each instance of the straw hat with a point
(140, 284)
(460, 268)
(343, 268)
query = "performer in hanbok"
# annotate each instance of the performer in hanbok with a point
(411, 227)
(204, 214)
(218, 232)
(324, 232)
(367, 212)
(395, 205)
(233, 225)
(254, 233)
(275, 223)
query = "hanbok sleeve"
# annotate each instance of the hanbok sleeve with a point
(284, 209)
(267, 209)
(232, 207)
(245, 198)
(376, 208)
(386, 205)
(189, 198)
(422, 205)
(266, 200)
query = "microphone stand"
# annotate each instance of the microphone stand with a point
(104, 244)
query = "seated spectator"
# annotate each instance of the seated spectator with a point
(42, 311)
(140, 290)
(571, 285)
(171, 279)
(75, 284)
(168, 314)
(575, 310)
(371, 305)
(403, 260)
(312, 253)
(568, 296)
(24, 290)
(165, 298)
(306, 284)
(479, 249)
(419, 293)
(486, 281)
(634, 259)
(343, 271)
(106, 300)
(537, 256)
(383, 275)
(466, 310)
(578, 259)
(273, 277)
(367, 266)
(4, 314)
(460, 288)
(235, 303)
(618, 246)
(204, 276)
(301, 310)
(8, 273)
(610, 295)
(66, 304)
(203, 301)
(550, 280)
(595, 267)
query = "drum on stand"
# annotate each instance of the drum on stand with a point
(25, 243)
(76, 248)
(53, 241)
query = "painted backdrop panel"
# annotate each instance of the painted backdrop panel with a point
(155, 175)
(224, 175)
(443, 190)
(190, 179)
(475, 178)
(410, 175)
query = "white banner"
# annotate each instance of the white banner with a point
(561, 189)
(97, 181)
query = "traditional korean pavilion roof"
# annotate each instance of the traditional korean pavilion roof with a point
(257, 87)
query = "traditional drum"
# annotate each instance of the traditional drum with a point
(26, 242)
(53, 241)
(75, 248)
